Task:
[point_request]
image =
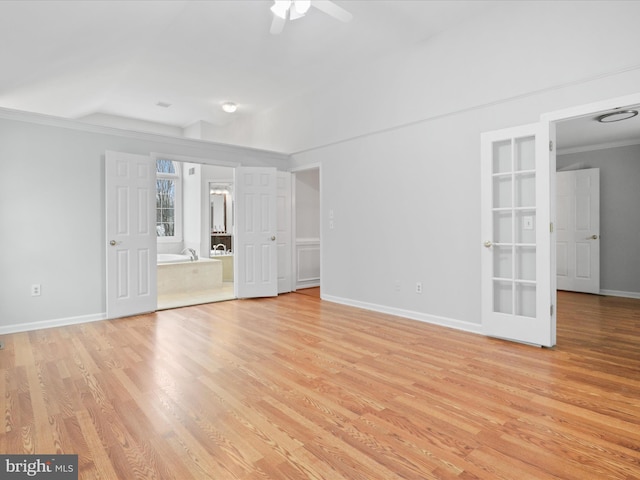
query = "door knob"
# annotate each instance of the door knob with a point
(488, 243)
(593, 237)
(273, 237)
(113, 243)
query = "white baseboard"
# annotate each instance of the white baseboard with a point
(422, 317)
(618, 293)
(58, 322)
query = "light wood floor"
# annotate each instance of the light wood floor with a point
(297, 388)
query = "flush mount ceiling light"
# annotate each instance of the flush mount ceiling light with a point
(163, 104)
(617, 116)
(284, 10)
(229, 107)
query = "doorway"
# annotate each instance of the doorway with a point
(519, 209)
(195, 263)
(306, 228)
(584, 142)
(578, 228)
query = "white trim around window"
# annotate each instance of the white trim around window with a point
(177, 219)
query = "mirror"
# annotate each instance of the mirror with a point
(221, 210)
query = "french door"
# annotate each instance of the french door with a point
(516, 235)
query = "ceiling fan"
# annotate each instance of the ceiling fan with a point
(294, 9)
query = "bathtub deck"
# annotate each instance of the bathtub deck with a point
(183, 299)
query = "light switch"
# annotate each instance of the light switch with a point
(528, 223)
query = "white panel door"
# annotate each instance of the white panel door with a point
(284, 235)
(578, 230)
(131, 236)
(256, 232)
(515, 209)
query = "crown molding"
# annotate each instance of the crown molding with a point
(214, 147)
(598, 146)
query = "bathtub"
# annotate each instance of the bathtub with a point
(179, 274)
(172, 258)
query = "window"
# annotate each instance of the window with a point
(168, 199)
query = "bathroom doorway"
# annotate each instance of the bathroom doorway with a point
(195, 226)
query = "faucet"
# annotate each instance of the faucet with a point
(192, 254)
(224, 248)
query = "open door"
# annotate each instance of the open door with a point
(130, 193)
(516, 235)
(285, 273)
(578, 230)
(256, 248)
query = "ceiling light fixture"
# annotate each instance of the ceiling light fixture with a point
(617, 116)
(229, 107)
(163, 104)
(280, 8)
(284, 10)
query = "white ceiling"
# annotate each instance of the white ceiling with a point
(77, 58)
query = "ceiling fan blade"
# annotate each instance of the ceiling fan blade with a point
(332, 10)
(277, 25)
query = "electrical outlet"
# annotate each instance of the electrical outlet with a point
(35, 290)
(418, 287)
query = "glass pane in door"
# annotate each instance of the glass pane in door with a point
(502, 227)
(502, 191)
(525, 153)
(502, 296)
(525, 191)
(502, 157)
(525, 263)
(526, 299)
(514, 226)
(503, 262)
(525, 226)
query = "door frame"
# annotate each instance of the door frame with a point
(549, 121)
(182, 159)
(294, 259)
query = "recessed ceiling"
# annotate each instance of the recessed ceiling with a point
(132, 58)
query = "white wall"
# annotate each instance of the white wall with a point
(399, 145)
(192, 194)
(520, 48)
(133, 124)
(52, 212)
(619, 215)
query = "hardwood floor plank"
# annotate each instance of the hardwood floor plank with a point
(297, 388)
